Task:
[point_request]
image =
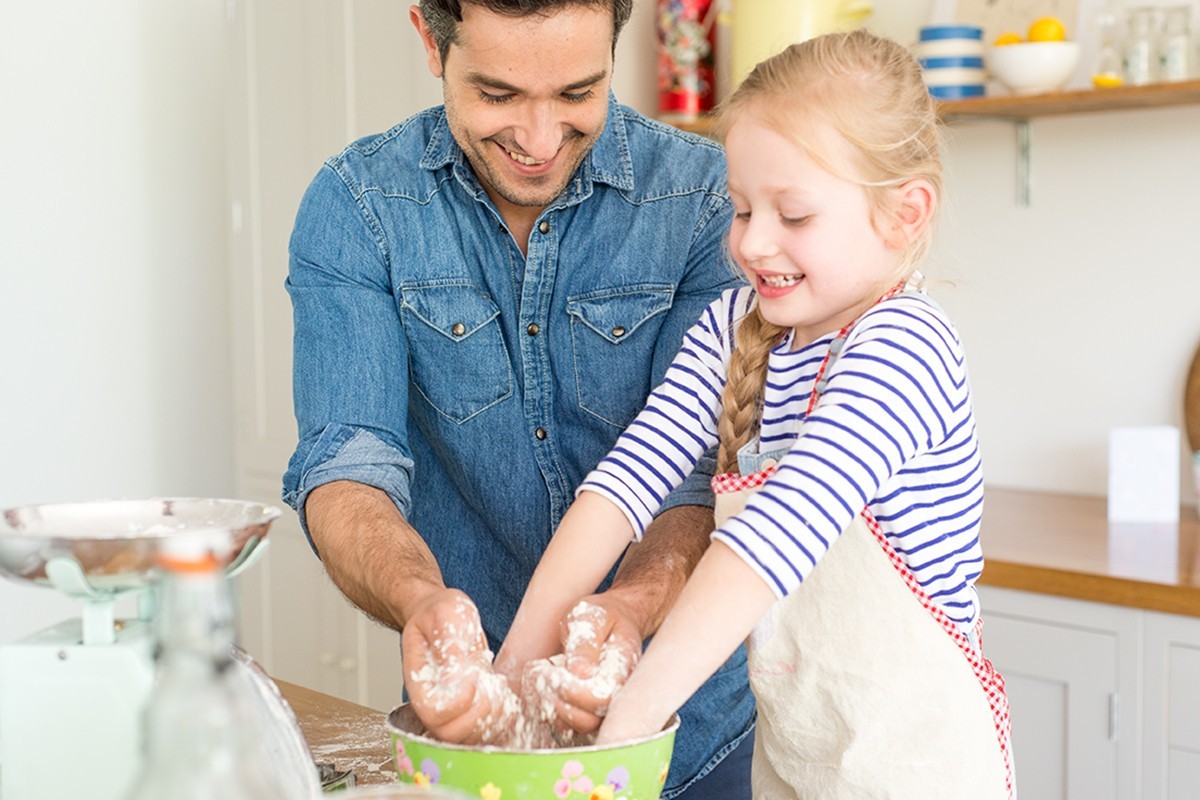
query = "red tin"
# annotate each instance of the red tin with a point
(686, 65)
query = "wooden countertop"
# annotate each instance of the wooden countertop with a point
(1064, 545)
(350, 736)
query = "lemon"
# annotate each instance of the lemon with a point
(1047, 29)
(1007, 38)
(1106, 80)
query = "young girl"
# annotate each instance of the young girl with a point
(847, 539)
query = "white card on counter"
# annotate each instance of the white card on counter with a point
(1143, 474)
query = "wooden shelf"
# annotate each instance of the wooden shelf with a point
(1023, 107)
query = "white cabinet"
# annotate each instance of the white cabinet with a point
(305, 78)
(1071, 669)
(1172, 702)
(297, 623)
(1105, 699)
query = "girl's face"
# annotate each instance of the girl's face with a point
(802, 235)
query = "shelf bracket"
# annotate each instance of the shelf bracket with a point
(1023, 173)
(1024, 149)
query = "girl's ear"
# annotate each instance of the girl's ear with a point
(915, 205)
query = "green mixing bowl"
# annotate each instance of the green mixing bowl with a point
(633, 770)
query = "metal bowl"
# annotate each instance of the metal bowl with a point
(109, 546)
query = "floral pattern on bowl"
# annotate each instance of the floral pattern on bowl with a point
(633, 770)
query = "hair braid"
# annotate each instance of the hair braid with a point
(741, 401)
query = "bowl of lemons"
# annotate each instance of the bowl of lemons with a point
(1041, 61)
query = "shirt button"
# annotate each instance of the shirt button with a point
(458, 329)
(540, 433)
(618, 331)
(533, 329)
(544, 226)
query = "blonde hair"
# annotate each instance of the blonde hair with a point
(870, 92)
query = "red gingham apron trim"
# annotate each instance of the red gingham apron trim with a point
(990, 681)
(730, 482)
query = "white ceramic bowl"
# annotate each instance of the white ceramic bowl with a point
(1034, 67)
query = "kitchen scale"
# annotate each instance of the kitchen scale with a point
(72, 696)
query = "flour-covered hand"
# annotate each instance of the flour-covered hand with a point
(601, 645)
(448, 672)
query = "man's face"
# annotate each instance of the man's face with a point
(526, 97)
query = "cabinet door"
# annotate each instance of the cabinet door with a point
(303, 630)
(1071, 670)
(293, 619)
(305, 78)
(1172, 703)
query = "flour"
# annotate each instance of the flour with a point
(524, 717)
(616, 663)
(356, 747)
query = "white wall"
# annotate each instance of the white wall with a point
(114, 343)
(1082, 311)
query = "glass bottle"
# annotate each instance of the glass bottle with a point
(199, 735)
(1140, 60)
(1108, 70)
(1175, 44)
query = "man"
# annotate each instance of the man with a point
(484, 296)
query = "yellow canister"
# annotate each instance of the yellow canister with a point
(762, 28)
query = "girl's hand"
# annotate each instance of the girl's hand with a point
(592, 535)
(448, 672)
(601, 645)
(625, 721)
(713, 614)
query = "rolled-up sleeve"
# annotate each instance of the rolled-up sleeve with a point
(345, 453)
(350, 357)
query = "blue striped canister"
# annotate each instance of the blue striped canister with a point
(951, 58)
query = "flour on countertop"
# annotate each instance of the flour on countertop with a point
(356, 748)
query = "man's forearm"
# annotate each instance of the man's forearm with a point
(370, 551)
(654, 570)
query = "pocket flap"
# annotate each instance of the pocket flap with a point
(456, 311)
(616, 313)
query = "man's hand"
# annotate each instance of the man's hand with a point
(448, 672)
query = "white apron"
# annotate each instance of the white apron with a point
(863, 694)
(865, 688)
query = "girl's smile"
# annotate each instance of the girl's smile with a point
(770, 285)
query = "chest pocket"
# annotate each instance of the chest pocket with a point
(614, 332)
(456, 351)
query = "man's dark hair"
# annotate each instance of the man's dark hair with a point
(443, 16)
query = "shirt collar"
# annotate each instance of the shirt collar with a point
(608, 162)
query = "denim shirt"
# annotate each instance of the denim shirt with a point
(477, 386)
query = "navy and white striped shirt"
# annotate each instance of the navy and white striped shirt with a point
(893, 429)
